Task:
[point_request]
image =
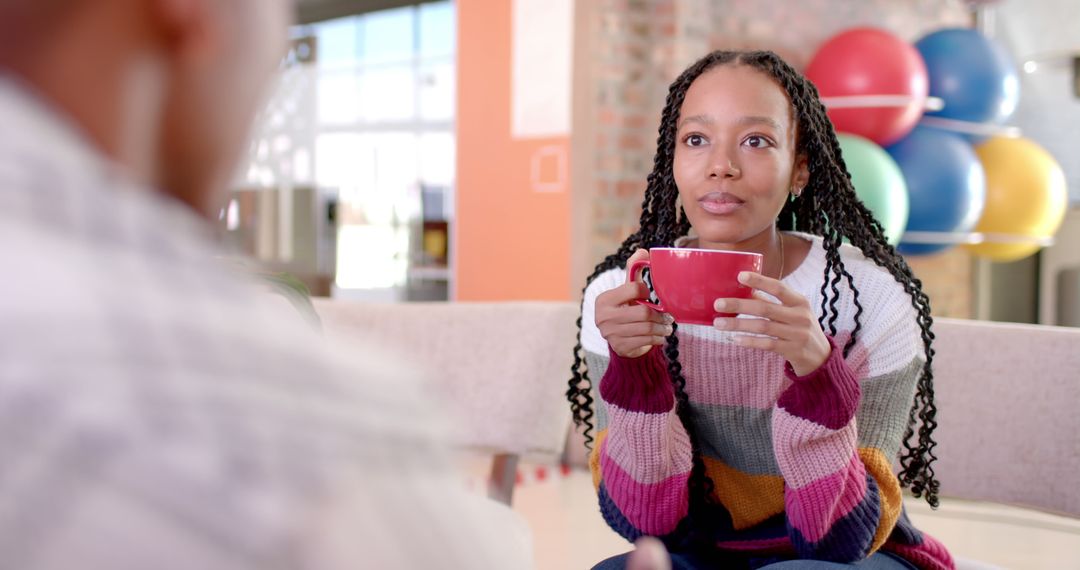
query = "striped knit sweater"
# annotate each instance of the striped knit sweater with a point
(801, 465)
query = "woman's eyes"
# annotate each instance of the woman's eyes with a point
(756, 141)
(752, 141)
(694, 140)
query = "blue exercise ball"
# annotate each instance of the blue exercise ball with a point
(946, 185)
(975, 76)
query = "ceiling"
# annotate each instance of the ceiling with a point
(309, 11)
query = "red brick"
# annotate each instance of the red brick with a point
(626, 189)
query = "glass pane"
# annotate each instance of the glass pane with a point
(438, 29)
(371, 257)
(338, 97)
(437, 159)
(337, 42)
(388, 94)
(436, 83)
(373, 248)
(385, 84)
(344, 161)
(388, 35)
(397, 172)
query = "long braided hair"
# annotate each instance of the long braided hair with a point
(827, 207)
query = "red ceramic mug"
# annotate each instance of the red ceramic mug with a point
(688, 281)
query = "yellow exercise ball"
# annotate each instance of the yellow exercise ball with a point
(1025, 196)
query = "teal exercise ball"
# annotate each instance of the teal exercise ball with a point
(878, 182)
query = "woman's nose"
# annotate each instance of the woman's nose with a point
(724, 167)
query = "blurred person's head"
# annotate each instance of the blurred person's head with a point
(166, 88)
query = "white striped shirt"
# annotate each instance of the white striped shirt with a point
(155, 414)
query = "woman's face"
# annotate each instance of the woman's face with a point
(735, 159)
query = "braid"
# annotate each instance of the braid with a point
(828, 207)
(701, 487)
(659, 225)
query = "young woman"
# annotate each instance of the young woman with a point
(766, 438)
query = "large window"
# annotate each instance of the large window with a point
(365, 115)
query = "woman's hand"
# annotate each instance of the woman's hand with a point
(790, 327)
(631, 329)
(648, 554)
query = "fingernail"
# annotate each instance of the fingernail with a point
(668, 330)
(720, 305)
(744, 276)
(668, 318)
(722, 323)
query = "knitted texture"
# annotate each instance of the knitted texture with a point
(800, 465)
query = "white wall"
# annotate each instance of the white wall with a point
(1049, 112)
(1063, 254)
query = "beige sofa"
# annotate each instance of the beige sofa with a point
(1007, 395)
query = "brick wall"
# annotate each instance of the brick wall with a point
(634, 64)
(642, 45)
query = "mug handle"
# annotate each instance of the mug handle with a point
(631, 275)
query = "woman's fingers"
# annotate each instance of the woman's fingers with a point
(630, 328)
(613, 317)
(639, 253)
(649, 554)
(635, 329)
(623, 294)
(641, 313)
(759, 342)
(774, 287)
(756, 307)
(631, 344)
(757, 326)
(632, 339)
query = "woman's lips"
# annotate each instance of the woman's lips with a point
(720, 203)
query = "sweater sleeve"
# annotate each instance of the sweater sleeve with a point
(641, 458)
(642, 461)
(840, 494)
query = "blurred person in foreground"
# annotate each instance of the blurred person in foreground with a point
(153, 414)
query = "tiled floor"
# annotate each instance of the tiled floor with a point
(568, 532)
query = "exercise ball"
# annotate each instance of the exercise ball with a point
(1025, 196)
(946, 185)
(878, 182)
(974, 76)
(871, 61)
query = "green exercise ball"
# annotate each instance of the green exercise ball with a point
(878, 182)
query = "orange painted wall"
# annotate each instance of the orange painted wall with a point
(510, 242)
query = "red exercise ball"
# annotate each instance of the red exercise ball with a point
(871, 62)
